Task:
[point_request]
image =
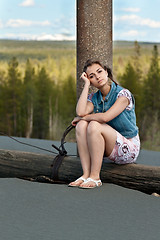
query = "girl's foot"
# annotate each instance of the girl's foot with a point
(77, 182)
(91, 183)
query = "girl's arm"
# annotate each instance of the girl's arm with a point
(120, 104)
(84, 107)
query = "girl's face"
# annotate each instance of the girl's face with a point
(97, 75)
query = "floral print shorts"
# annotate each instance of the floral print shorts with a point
(125, 150)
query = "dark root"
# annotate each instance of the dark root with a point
(90, 62)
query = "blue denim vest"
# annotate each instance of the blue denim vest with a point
(125, 122)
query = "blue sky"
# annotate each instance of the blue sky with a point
(56, 20)
(37, 19)
(136, 20)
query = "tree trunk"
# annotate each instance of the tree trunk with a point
(50, 119)
(94, 34)
(30, 165)
(29, 121)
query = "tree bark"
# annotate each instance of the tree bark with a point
(94, 34)
(31, 166)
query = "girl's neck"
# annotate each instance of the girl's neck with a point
(105, 90)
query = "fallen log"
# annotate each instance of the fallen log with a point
(16, 164)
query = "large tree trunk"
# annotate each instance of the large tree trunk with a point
(94, 34)
(30, 165)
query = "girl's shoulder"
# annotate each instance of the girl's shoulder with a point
(126, 93)
(92, 96)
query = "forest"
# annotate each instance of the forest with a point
(38, 87)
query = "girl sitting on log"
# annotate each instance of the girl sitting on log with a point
(105, 126)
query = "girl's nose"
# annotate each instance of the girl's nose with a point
(97, 76)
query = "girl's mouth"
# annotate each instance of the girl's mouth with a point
(100, 81)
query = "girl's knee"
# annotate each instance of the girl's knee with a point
(81, 126)
(93, 127)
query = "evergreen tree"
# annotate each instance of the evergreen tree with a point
(41, 113)
(29, 93)
(152, 86)
(2, 102)
(64, 107)
(68, 100)
(131, 81)
(136, 60)
(151, 96)
(13, 98)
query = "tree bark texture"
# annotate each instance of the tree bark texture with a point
(14, 164)
(94, 34)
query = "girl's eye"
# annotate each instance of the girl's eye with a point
(99, 71)
(91, 76)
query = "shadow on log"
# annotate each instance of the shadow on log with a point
(15, 164)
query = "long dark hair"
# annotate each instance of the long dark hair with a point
(90, 62)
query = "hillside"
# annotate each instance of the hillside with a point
(127, 47)
(42, 49)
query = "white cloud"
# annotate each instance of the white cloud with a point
(131, 9)
(150, 23)
(55, 37)
(136, 20)
(25, 23)
(40, 37)
(27, 3)
(131, 33)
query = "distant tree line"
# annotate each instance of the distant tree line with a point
(35, 105)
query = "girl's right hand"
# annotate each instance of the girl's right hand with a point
(85, 78)
(75, 121)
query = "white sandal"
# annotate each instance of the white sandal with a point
(80, 178)
(97, 182)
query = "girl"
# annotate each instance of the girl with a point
(106, 124)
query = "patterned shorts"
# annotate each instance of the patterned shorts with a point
(125, 150)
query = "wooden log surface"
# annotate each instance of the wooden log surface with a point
(16, 164)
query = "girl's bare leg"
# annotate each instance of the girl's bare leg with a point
(81, 136)
(101, 138)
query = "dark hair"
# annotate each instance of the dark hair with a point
(90, 62)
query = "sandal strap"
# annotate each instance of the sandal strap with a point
(95, 181)
(80, 178)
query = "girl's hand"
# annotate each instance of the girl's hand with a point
(75, 121)
(85, 78)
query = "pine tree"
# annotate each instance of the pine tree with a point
(3, 102)
(151, 95)
(13, 98)
(136, 60)
(41, 113)
(129, 78)
(29, 93)
(131, 81)
(152, 86)
(68, 99)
